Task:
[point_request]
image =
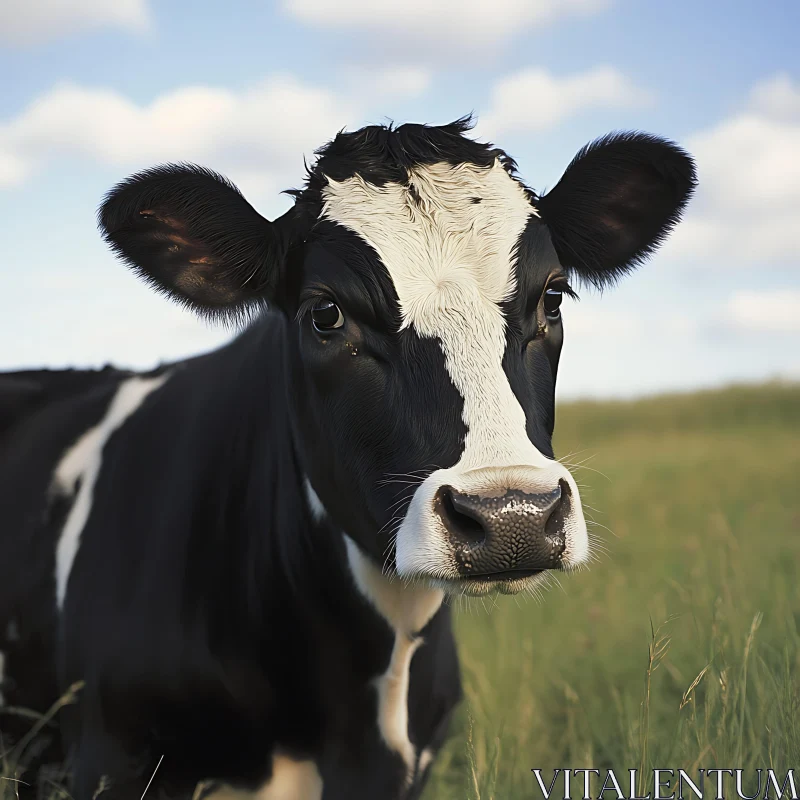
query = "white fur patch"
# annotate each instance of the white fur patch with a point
(318, 511)
(408, 609)
(82, 462)
(425, 760)
(452, 264)
(290, 780)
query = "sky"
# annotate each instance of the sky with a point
(92, 91)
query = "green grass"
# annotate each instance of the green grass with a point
(680, 647)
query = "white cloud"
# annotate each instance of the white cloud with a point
(533, 99)
(447, 24)
(258, 134)
(397, 81)
(12, 168)
(748, 202)
(777, 97)
(24, 22)
(773, 311)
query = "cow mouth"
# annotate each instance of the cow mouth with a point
(512, 581)
(505, 575)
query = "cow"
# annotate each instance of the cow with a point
(244, 557)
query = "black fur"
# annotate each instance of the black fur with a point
(383, 154)
(616, 203)
(210, 616)
(23, 393)
(190, 234)
(67, 404)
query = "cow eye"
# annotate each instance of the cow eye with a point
(326, 316)
(552, 303)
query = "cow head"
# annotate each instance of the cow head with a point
(421, 282)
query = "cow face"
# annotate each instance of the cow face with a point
(422, 285)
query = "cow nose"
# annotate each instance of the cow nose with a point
(505, 535)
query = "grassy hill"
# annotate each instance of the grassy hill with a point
(680, 647)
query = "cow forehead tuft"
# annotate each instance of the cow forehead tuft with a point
(443, 251)
(384, 153)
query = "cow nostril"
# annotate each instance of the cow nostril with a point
(459, 520)
(559, 511)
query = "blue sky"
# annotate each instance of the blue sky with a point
(94, 90)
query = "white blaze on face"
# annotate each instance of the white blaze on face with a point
(449, 246)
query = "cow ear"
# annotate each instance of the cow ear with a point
(616, 203)
(189, 232)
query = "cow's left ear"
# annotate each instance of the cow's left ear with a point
(189, 232)
(616, 203)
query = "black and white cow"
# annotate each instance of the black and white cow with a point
(244, 555)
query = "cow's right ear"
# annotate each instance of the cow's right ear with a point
(189, 233)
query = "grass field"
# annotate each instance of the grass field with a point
(698, 500)
(680, 647)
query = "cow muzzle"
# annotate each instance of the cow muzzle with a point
(493, 528)
(505, 535)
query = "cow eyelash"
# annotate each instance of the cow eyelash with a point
(562, 285)
(307, 303)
